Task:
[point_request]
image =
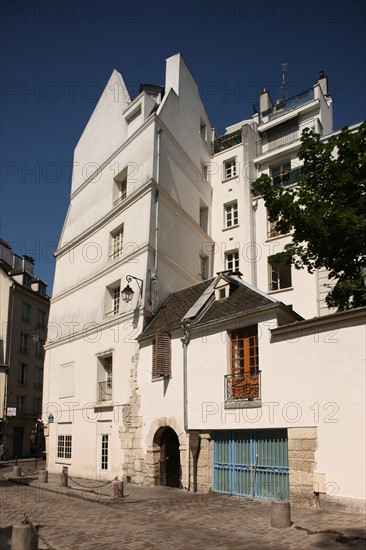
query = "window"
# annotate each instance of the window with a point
(64, 443)
(40, 348)
(231, 214)
(203, 269)
(38, 378)
(204, 171)
(272, 229)
(120, 187)
(203, 130)
(229, 169)
(161, 361)
(280, 173)
(20, 404)
(232, 261)
(41, 319)
(105, 374)
(37, 405)
(279, 275)
(104, 453)
(42, 288)
(24, 342)
(26, 312)
(22, 374)
(204, 218)
(244, 364)
(27, 280)
(134, 121)
(113, 298)
(117, 244)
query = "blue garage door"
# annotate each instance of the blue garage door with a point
(251, 462)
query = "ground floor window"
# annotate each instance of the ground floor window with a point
(64, 446)
(104, 457)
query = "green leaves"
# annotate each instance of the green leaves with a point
(326, 212)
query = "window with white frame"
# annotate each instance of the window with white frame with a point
(279, 275)
(232, 260)
(120, 187)
(230, 169)
(22, 374)
(117, 244)
(112, 303)
(64, 445)
(105, 378)
(231, 214)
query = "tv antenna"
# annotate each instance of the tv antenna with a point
(284, 67)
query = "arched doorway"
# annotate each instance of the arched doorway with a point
(169, 461)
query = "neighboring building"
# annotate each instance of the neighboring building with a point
(275, 402)
(24, 317)
(266, 144)
(156, 208)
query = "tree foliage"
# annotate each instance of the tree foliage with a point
(325, 212)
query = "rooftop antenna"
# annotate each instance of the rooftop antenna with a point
(284, 87)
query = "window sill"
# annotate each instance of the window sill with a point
(64, 461)
(103, 404)
(231, 227)
(158, 378)
(278, 237)
(230, 179)
(255, 404)
(280, 290)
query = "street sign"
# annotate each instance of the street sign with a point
(11, 411)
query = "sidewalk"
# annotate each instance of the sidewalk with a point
(86, 516)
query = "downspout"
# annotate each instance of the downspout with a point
(254, 241)
(155, 273)
(185, 342)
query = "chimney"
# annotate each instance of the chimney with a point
(265, 101)
(323, 83)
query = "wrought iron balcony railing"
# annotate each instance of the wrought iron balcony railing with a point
(105, 391)
(286, 106)
(246, 386)
(225, 142)
(288, 177)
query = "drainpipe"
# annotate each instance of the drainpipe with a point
(155, 274)
(185, 342)
(254, 240)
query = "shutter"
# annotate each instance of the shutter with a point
(161, 364)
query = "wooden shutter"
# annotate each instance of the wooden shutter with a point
(161, 364)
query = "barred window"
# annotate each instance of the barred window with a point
(64, 446)
(161, 363)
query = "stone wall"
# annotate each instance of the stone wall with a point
(302, 443)
(130, 432)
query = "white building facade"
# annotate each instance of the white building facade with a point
(157, 207)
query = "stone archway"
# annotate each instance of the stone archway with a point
(166, 454)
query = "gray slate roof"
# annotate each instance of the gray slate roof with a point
(243, 300)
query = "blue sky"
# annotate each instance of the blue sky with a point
(56, 57)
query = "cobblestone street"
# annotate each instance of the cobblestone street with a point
(165, 519)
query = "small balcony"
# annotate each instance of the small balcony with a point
(266, 145)
(288, 177)
(245, 386)
(225, 142)
(105, 391)
(286, 106)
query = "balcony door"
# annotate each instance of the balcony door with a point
(244, 362)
